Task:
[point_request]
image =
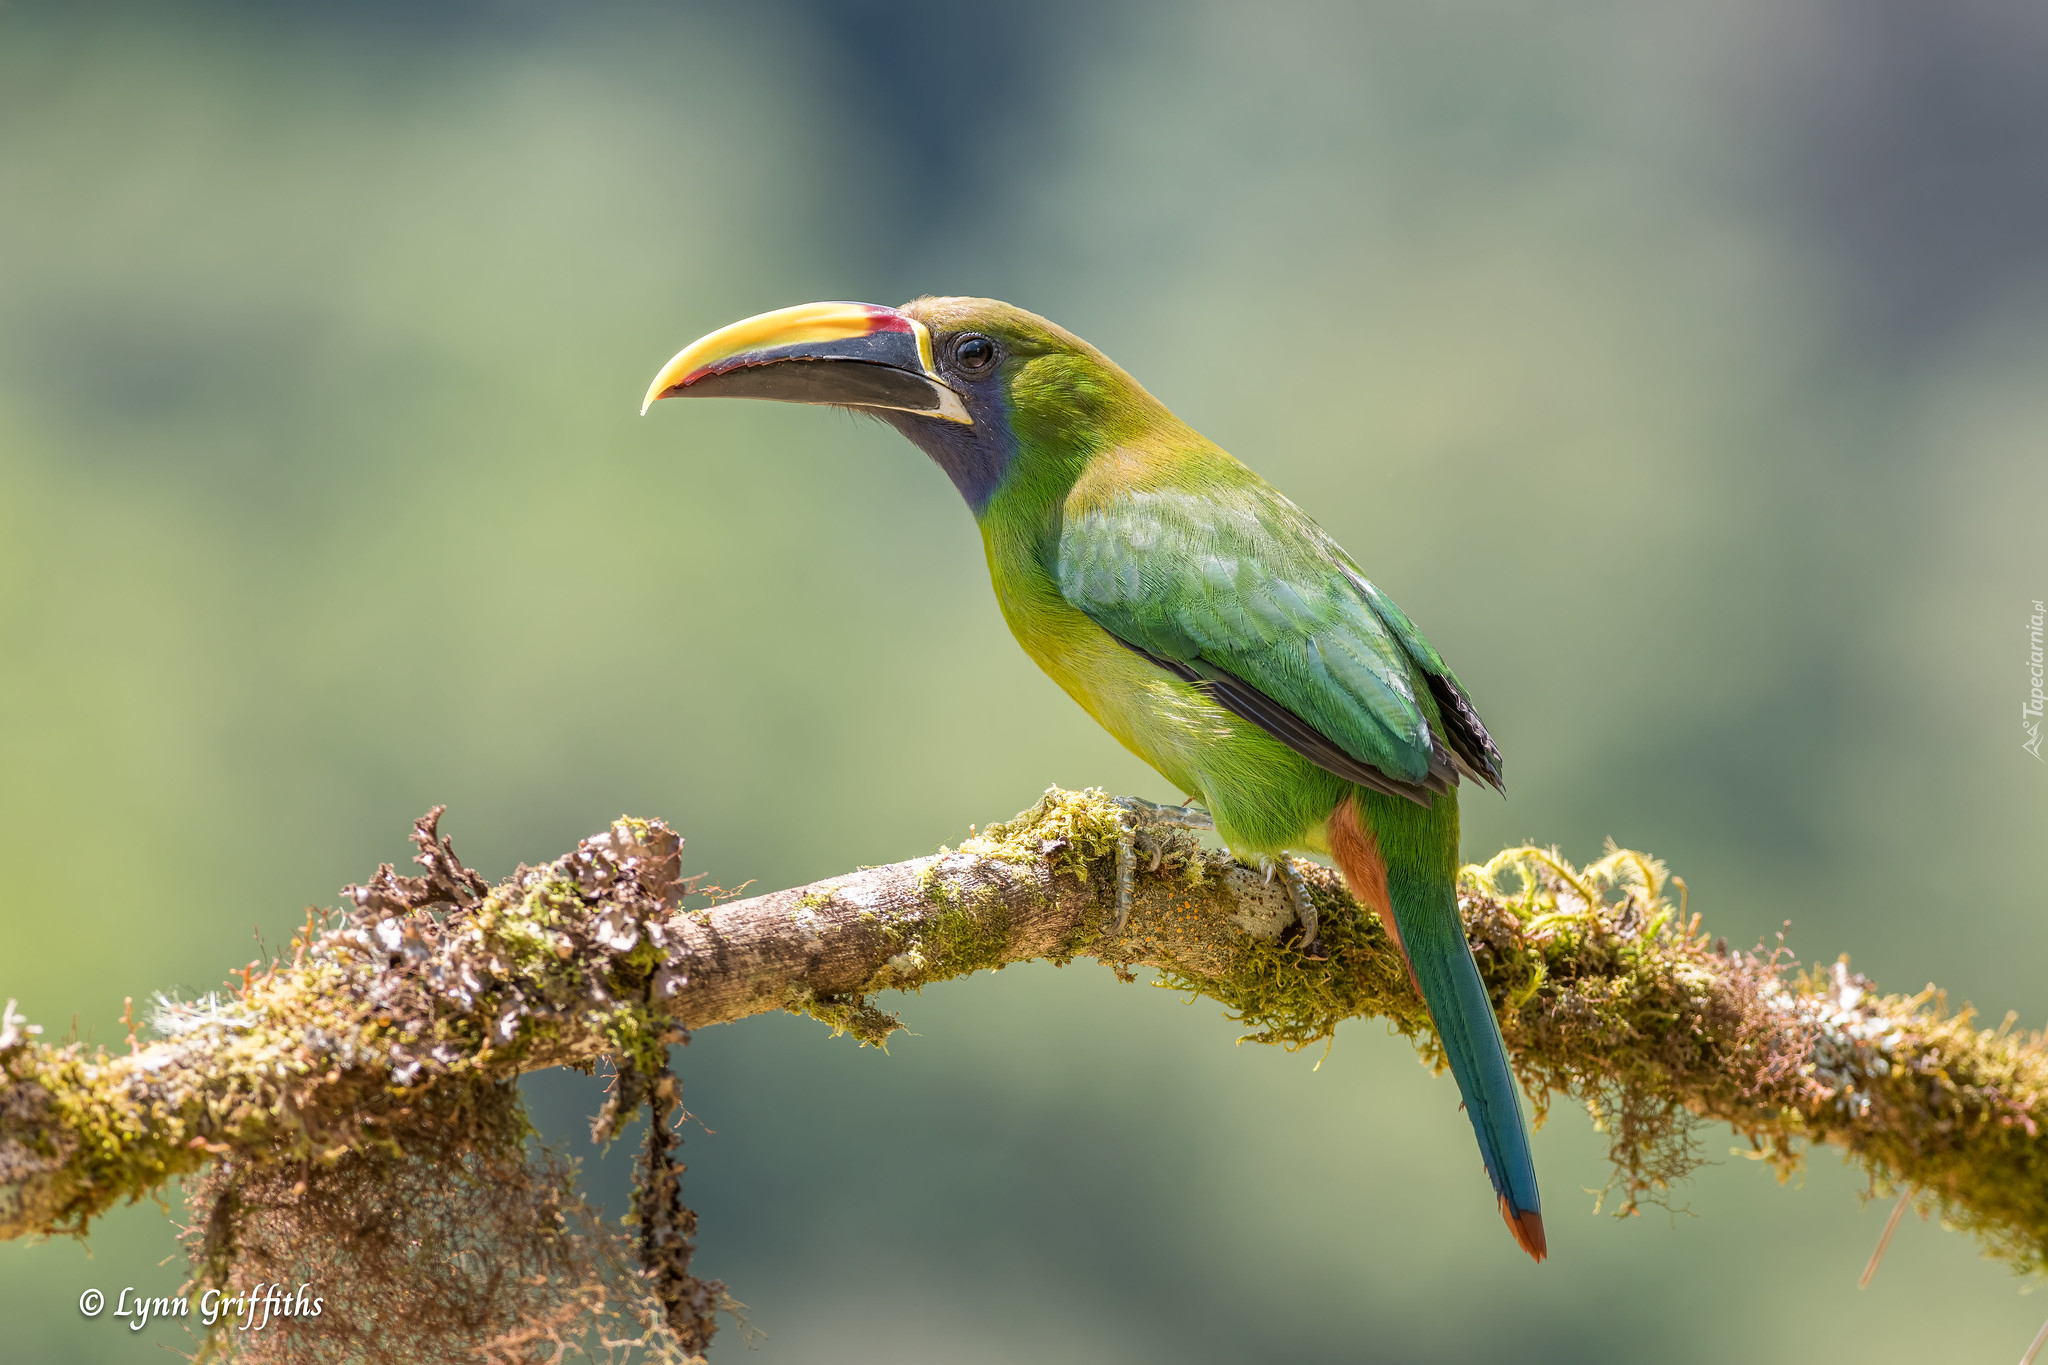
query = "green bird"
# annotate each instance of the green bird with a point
(1195, 613)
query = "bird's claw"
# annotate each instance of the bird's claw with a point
(1304, 904)
(1138, 816)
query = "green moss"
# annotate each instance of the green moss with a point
(636, 1035)
(1066, 829)
(331, 1055)
(525, 929)
(1291, 1000)
(1604, 993)
(1086, 931)
(965, 932)
(850, 1014)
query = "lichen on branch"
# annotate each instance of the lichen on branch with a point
(422, 999)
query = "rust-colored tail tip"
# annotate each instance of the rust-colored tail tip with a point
(1526, 1228)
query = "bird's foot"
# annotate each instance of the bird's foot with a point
(1139, 817)
(1304, 904)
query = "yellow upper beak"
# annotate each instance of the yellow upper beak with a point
(859, 354)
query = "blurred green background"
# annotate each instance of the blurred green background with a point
(1679, 366)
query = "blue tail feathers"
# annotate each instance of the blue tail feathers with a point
(1471, 1038)
(1401, 860)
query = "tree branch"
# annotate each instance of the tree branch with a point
(1606, 992)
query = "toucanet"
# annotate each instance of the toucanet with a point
(1197, 614)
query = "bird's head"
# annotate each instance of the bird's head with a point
(986, 389)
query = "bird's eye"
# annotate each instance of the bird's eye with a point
(974, 353)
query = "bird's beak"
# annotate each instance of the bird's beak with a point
(857, 355)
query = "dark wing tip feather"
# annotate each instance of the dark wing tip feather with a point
(1466, 733)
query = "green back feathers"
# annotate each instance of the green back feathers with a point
(1188, 557)
(1209, 568)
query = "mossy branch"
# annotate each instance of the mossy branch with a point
(428, 987)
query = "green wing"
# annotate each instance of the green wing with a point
(1235, 589)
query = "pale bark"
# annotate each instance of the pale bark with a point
(1606, 994)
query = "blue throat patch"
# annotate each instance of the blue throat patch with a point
(975, 458)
